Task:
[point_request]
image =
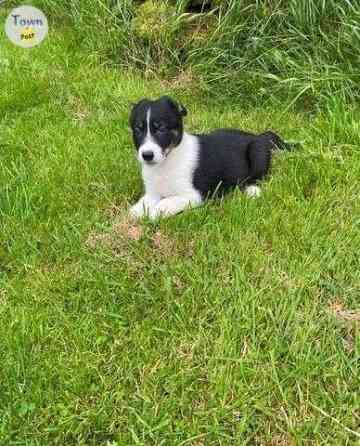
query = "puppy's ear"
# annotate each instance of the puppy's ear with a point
(179, 107)
(182, 109)
(137, 106)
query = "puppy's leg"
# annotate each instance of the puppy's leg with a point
(259, 156)
(174, 205)
(145, 206)
(253, 191)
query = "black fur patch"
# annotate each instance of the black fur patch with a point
(230, 158)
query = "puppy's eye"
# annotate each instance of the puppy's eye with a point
(159, 127)
(138, 128)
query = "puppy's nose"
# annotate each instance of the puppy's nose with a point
(148, 155)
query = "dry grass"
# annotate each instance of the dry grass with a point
(350, 321)
(122, 232)
(77, 109)
(343, 314)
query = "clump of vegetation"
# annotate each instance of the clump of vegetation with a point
(155, 28)
(154, 22)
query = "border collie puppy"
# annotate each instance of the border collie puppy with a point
(180, 170)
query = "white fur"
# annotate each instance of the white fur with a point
(253, 191)
(169, 183)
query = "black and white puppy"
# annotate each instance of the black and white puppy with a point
(181, 170)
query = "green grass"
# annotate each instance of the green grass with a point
(214, 328)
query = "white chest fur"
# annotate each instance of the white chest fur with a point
(174, 176)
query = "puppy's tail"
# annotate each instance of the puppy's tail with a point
(278, 143)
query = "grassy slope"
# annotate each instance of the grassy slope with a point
(220, 334)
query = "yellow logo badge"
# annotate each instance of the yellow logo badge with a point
(27, 34)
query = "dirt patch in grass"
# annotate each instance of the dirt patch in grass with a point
(163, 244)
(350, 322)
(3, 297)
(117, 238)
(77, 109)
(185, 79)
(344, 315)
(128, 229)
(280, 440)
(114, 211)
(126, 233)
(277, 440)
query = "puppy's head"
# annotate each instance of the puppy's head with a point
(157, 128)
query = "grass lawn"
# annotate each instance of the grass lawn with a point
(225, 325)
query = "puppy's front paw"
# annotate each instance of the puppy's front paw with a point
(158, 211)
(253, 191)
(144, 206)
(164, 208)
(136, 212)
(139, 210)
(174, 205)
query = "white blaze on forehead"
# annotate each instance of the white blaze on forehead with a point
(148, 113)
(149, 144)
